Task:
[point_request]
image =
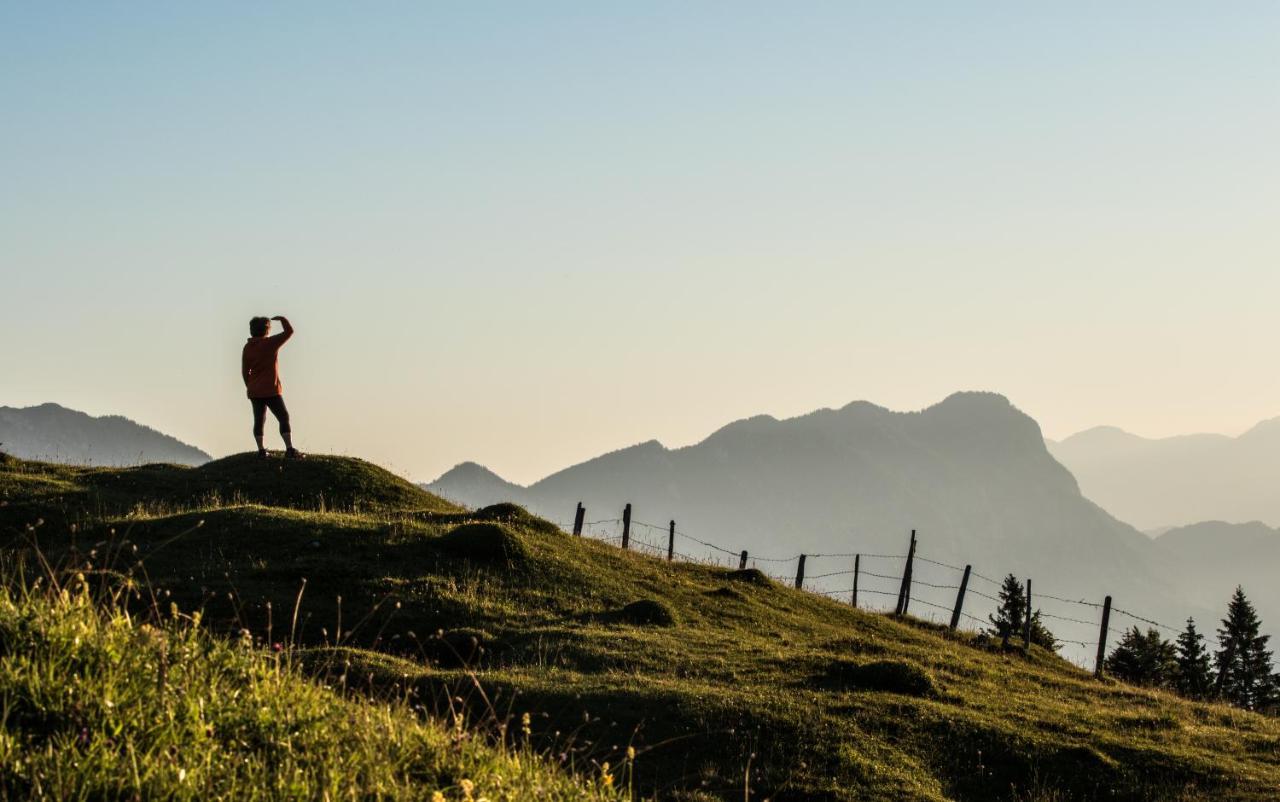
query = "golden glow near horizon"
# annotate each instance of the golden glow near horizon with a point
(528, 238)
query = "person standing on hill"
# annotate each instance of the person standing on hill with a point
(260, 369)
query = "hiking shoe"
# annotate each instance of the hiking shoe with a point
(262, 453)
(293, 453)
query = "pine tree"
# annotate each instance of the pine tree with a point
(1040, 634)
(1243, 660)
(1011, 615)
(1195, 671)
(1144, 659)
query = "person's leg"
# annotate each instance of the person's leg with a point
(276, 404)
(259, 418)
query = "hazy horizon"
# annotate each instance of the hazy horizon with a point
(526, 237)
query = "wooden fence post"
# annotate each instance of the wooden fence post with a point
(964, 585)
(671, 542)
(904, 592)
(742, 561)
(1102, 637)
(800, 573)
(857, 560)
(626, 525)
(1026, 629)
(578, 519)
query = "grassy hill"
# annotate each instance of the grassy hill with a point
(723, 682)
(99, 706)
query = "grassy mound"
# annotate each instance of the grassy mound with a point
(317, 482)
(750, 576)
(100, 707)
(64, 494)
(512, 515)
(819, 700)
(727, 593)
(891, 676)
(486, 543)
(645, 613)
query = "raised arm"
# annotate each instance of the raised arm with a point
(288, 329)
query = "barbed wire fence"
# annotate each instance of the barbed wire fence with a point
(898, 584)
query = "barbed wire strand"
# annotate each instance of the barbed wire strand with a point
(658, 551)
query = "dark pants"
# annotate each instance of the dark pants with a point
(276, 404)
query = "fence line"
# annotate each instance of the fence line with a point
(907, 582)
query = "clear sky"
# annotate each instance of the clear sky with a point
(528, 233)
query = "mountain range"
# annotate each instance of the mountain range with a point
(1176, 481)
(54, 433)
(1212, 557)
(972, 475)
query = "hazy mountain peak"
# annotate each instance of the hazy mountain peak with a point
(470, 484)
(647, 446)
(976, 399)
(1155, 482)
(471, 472)
(1267, 429)
(755, 423)
(1103, 434)
(55, 433)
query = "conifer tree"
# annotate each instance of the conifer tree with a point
(1011, 615)
(1243, 660)
(1144, 659)
(1195, 671)
(1040, 634)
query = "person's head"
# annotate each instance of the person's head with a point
(259, 326)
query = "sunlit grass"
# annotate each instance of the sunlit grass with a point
(96, 704)
(751, 689)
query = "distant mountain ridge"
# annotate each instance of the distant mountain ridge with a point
(972, 474)
(53, 433)
(1214, 557)
(1175, 481)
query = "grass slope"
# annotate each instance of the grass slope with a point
(723, 681)
(95, 705)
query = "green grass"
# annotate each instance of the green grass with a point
(723, 686)
(98, 705)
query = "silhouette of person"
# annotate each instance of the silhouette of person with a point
(260, 368)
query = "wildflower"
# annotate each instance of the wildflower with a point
(436, 796)
(631, 753)
(467, 787)
(605, 777)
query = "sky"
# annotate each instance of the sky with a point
(526, 234)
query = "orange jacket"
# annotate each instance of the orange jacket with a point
(259, 366)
